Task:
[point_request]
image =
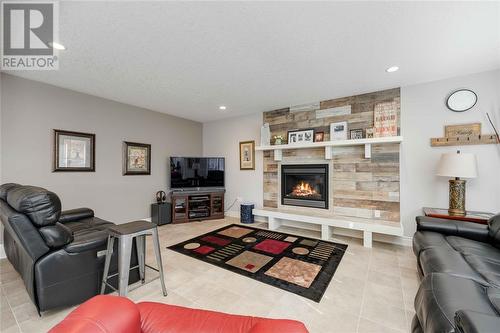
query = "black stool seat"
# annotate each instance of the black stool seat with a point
(131, 227)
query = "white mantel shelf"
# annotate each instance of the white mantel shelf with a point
(329, 145)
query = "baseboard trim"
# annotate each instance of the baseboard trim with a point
(396, 240)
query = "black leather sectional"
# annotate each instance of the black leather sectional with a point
(460, 267)
(59, 254)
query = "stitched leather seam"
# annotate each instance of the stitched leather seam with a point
(437, 302)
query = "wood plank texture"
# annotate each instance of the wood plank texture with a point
(361, 187)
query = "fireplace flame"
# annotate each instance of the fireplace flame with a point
(303, 190)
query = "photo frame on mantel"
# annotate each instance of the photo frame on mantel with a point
(247, 155)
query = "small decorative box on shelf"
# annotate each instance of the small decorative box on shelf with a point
(470, 216)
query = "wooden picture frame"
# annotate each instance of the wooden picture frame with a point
(247, 155)
(319, 136)
(73, 151)
(136, 158)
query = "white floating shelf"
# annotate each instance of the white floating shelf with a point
(328, 145)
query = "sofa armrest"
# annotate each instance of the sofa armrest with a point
(86, 241)
(103, 313)
(474, 231)
(75, 214)
(467, 321)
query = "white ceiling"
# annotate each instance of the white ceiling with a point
(187, 58)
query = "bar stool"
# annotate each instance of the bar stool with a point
(125, 233)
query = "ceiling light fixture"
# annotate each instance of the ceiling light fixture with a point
(222, 107)
(57, 46)
(392, 69)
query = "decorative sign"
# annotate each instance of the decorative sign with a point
(385, 119)
(336, 111)
(462, 130)
(305, 107)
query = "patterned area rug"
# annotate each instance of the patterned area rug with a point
(303, 266)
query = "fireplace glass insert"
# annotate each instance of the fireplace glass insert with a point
(305, 185)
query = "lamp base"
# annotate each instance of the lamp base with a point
(457, 197)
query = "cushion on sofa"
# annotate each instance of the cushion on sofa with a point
(441, 295)
(4, 188)
(56, 235)
(40, 205)
(423, 240)
(471, 247)
(438, 260)
(75, 214)
(489, 269)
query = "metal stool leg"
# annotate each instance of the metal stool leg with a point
(124, 264)
(156, 245)
(140, 243)
(109, 254)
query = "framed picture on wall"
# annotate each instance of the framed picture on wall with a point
(136, 158)
(74, 151)
(247, 155)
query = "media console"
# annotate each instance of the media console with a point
(189, 206)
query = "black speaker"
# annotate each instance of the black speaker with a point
(161, 213)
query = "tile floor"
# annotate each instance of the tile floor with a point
(372, 290)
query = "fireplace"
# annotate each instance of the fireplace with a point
(304, 185)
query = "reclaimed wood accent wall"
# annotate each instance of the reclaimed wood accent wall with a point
(360, 187)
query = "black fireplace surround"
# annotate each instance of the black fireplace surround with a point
(304, 185)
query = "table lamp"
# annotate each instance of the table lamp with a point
(457, 165)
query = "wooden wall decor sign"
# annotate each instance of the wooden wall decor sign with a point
(385, 119)
(462, 130)
(482, 139)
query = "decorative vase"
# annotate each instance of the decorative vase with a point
(265, 135)
(278, 141)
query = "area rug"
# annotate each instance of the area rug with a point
(303, 266)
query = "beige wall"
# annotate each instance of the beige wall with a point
(30, 110)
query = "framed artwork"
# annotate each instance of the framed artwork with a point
(369, 133)
(247, 155)
(319, 136)
(385, 119)
(356, 134)
(338, 131)
(136, 158)
(74, 151)
(299, 136)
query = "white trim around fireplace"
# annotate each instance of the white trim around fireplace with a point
(368, 227)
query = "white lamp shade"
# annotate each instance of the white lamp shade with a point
(457, 165)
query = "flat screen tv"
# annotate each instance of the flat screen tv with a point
(194, 172)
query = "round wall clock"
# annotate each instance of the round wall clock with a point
(461, 100)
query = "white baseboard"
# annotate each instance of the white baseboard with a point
(2, 252)
(397, 240)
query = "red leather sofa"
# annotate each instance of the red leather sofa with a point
(114, 314)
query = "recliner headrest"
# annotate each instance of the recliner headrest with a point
(40, 205)
(4, 188)
(494, 228)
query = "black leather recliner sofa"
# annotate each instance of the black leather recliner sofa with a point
(54, 251)
(460, 267)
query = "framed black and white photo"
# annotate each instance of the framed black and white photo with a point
(338, 131)
(136, 158)
(74, 151)
(356, 134)
(300, 136)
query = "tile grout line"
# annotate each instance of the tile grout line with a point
(364, 292)
(12, 311)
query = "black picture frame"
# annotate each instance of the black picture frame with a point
(126, 158)
(58, 167)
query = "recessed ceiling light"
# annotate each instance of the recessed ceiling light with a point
(222, 107)
(392, 69)
(57, 46)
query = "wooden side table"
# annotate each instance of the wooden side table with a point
(470, 216)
